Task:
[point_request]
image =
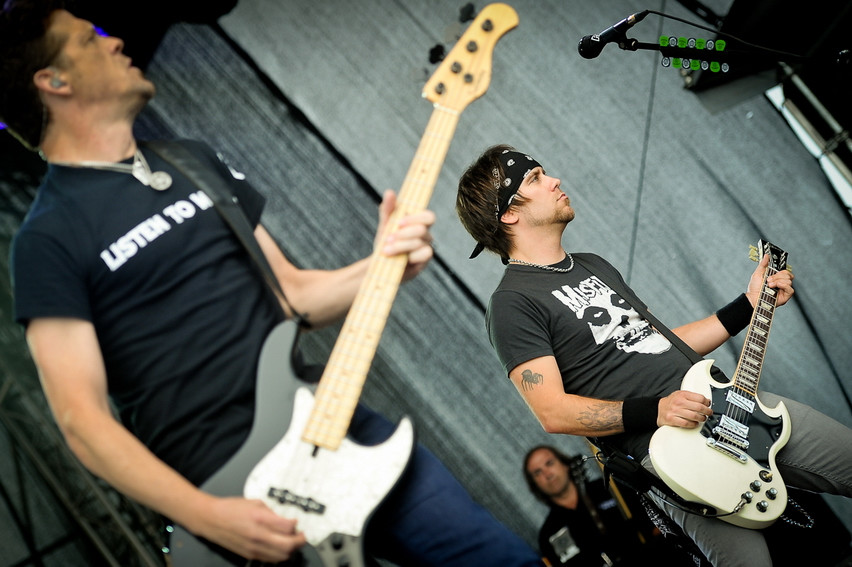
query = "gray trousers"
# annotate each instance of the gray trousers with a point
(817, 457)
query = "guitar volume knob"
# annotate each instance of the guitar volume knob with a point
(762, 506)
(755, 485)
(772, 494)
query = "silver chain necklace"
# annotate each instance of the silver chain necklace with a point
(158, 180)
(548, 268)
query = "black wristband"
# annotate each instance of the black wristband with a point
(736, 315)
(639, 414)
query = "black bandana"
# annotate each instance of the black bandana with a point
(516, 167)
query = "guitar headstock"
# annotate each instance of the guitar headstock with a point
(777, 256)
(465, 73)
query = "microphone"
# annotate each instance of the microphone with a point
(592, 45)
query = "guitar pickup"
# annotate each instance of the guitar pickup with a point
(284, 496)
(734, 430)
(740, 401)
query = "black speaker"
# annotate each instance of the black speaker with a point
(816, 30)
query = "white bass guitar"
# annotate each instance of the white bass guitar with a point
(315, 474)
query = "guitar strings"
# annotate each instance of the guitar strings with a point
(753, 339)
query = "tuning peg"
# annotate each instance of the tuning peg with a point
(437, 53)
(753, 254)
(467, 13)
(453, 32)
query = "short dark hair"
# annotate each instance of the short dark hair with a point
(566, 460)
(25, 48)
(476, 202)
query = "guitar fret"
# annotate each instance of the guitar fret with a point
(437, 106)
(752, 372)
(417, 181)
(431, 134)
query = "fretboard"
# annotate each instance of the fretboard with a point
(750, 365)
(345, 373)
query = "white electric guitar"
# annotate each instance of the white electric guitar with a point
(728, 464)
(314, 474)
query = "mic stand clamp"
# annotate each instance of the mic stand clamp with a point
(719, 57)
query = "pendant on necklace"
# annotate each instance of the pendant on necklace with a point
(157, 180)
(160, 180)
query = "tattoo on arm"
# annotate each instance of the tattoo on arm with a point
(602, 416)
(530, 379)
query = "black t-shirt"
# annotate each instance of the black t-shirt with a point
(603, 347)
(179, 310)
(574, 538)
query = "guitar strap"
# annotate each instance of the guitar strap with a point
(618, 287)
(205, 178)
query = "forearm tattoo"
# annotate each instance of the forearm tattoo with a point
(601, 416)
(530, 379)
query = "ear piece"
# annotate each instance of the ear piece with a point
(55, 81)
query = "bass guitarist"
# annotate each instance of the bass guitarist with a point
(134, 291)
(588, 364)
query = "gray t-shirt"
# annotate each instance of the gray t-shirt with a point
(603, 347)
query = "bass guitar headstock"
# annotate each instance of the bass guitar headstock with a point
(465, 73)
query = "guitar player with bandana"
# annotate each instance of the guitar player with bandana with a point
(134, 291)
(569, 334)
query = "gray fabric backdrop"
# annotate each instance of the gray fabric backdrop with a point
(319, 104)
(670, 185)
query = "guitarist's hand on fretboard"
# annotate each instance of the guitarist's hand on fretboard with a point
(781, 281)
(409, 234)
